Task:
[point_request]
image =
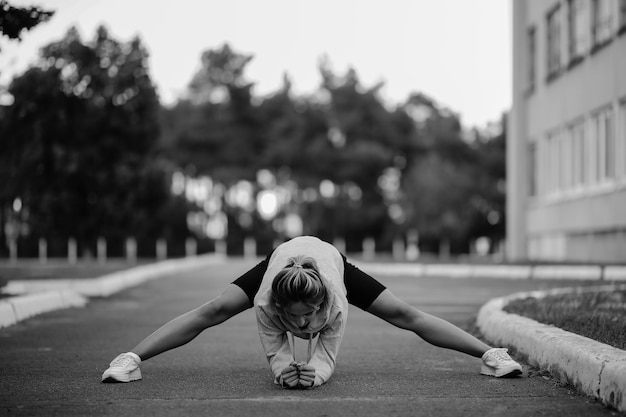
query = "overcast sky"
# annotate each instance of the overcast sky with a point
(456, 51)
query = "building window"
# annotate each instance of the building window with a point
(553, 163)
(592, 155)
(579, 149)
(532, 169)
(604, 134)
(567, 165)
(578, 24)
(602, 22)
(622, 16)
(531, 59)
(553, 50)
(621, 141)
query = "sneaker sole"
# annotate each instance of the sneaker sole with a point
(113, 377)
(504, 373)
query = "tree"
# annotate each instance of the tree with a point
(14, 20)
(216, 129)
(77, 139)
(360, 167)
(365, 145)
(490, 193)
(441, 182)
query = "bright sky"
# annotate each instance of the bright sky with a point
(456, 51)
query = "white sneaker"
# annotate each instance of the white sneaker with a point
(124, 368)
(498, 363)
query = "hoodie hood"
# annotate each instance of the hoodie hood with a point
(328, 323)
(331, 268)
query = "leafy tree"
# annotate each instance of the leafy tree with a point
(293, 128)
(441, 182)
(77, 139)
(215, 130)
(490, 194)
(15, 20)
(393, 169)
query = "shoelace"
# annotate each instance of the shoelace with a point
(501, 355)
(122, 361)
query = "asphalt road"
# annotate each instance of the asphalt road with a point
(51, 364)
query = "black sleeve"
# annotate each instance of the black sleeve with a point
(250, 282)
(362, 289)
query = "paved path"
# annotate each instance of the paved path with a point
(51, 364)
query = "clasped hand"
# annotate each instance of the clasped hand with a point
(298, 375)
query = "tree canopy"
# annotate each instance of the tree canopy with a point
(78, 139)
(87, 150)
(15, 20)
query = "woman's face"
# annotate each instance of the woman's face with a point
(301, 314)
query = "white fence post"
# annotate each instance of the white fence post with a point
(102, 250)
(398, 249)
(131, 250)
(191, 247)
(412, 250)
(72, 251)
(43, 250)
(161, 249)
(13, 250)
(249, 248)
(369, 248)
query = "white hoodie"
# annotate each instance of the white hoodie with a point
(329, 322)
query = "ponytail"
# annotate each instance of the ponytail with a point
(299, 281)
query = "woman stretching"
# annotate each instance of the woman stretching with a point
(303, 289)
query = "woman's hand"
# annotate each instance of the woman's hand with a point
(289, 376)
(306, 376)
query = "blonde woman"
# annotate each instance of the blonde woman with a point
(303, 289)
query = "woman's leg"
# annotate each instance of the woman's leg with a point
(430, 328)
(186, 327)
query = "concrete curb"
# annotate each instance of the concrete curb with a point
(594, 368)
(577, 272)
(20, 308)
(41, 296)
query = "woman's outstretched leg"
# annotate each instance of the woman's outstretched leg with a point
(432, 329)
(179, 331)
(439, 332)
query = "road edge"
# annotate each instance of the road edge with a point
(42, 296)
(594, 368)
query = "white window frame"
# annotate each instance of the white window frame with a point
(578, 29)
(533, 169)
(531, 59)
(602, 21)
(592, 154)
(541, 168)
(579, 152)
(567, 165)
(559, 161)
(553, 163)
(602, 128)
(620, 132)
(554, 29)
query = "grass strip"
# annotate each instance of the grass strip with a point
(600, 316)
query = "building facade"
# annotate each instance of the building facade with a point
(566, 150)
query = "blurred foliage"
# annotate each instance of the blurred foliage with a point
(89, 151)
(455, 190)
(448, 188)
(14, 20)
(77, 142)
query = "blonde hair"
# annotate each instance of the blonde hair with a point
(299, 281)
